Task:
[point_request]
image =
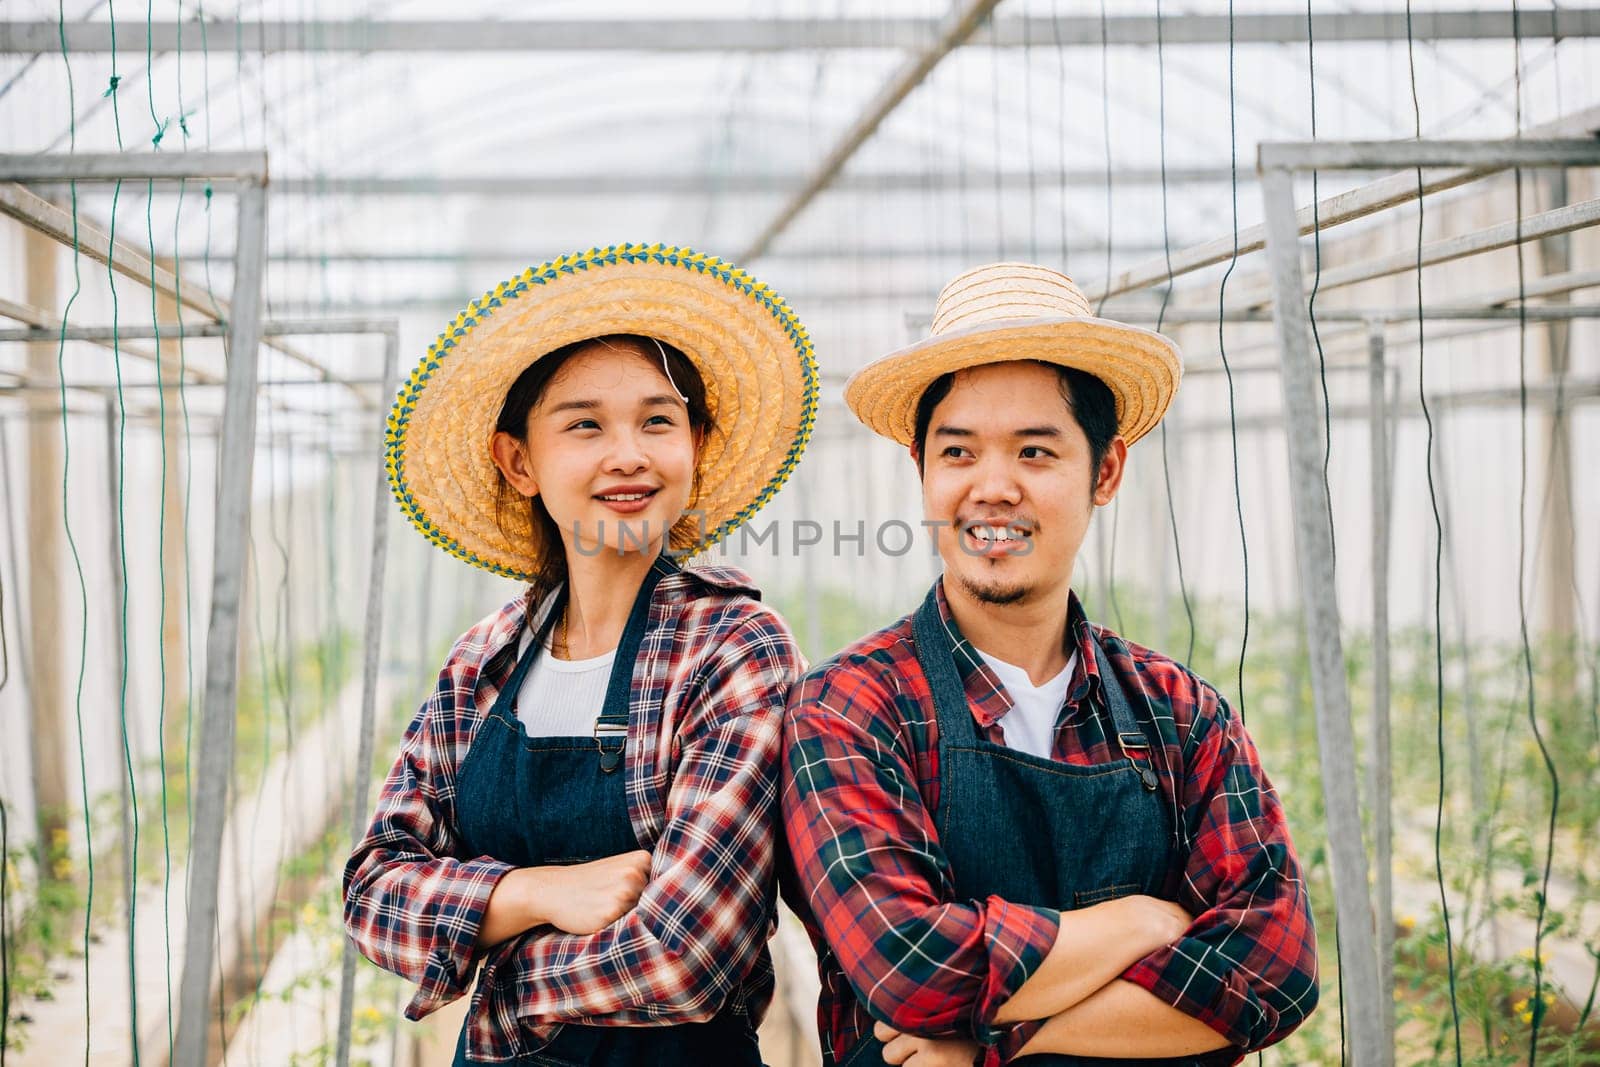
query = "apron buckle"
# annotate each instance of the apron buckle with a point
(1138, 743)
(610, 758)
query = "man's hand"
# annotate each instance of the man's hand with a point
(925, 1051)
(1093, 946)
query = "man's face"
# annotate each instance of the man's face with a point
(1008, 474)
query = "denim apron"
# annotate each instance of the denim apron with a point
(1038, 831)
(543, 801)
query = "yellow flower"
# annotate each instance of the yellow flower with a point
(58, 837)
(1520, 1006)
(371, 1015)
(308, 915)
(1408, 923)
(1525, 1016)
(61, 868)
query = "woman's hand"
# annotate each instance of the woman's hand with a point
(578, 899)
(916, 1051)
(587, 897)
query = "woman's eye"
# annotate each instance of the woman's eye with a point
(584, 424)
(659, 420)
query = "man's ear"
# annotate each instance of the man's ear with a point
(916, 455)
(1108, 479)
(511, 457)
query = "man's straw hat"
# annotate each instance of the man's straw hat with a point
(1010, 311)
(754, 356)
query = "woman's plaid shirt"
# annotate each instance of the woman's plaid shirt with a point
(701, 761)
(869, 879)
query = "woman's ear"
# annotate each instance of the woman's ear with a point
(511, 456)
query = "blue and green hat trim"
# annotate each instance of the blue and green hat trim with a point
(598, 258)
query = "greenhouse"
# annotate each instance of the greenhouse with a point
(253, 258)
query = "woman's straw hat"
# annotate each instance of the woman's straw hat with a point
(1010, 311)
(754, 356)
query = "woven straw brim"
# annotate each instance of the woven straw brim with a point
(754, 356)
(1142, 368)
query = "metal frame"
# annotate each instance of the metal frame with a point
(624, 185)
(1381, 776)
(791, 34)
(236, 454)
(1372, 1042)
(1551, 223)
(311, 327)
(372, 641)
(1360, 202)
(389, 330)
(953, 31)
(524, 256)
(132, 263)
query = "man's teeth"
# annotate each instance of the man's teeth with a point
(996, 533)
(624, 496)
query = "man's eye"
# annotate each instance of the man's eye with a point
(1035, 452)
(954, 452)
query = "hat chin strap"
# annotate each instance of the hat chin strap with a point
(668, 372)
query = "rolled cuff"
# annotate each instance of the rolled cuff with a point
(1018, 937)
(452, 955)
(1195, 978)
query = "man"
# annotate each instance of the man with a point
(1013, 833)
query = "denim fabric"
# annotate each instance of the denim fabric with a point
(1037, 831)
(549, 801)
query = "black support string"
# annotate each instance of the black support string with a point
(66, 522)
(1166, 297)
(1438, 564)
(1222, 349)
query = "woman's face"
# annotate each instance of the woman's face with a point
(609, 450)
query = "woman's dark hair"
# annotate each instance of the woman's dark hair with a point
(525, 394)
(1088, 398)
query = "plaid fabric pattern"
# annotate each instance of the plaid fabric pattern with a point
(868, 877)
(701, 763)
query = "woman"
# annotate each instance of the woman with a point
(586, 803)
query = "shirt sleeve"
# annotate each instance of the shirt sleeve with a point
(1247, 967)
(869, 866)
(411, 904)
(708, 906)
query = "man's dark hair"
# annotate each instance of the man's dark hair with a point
(1088, 398)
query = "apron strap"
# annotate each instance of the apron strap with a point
(611, 729)
(936, 655)
(1125, 723)
(506, 703)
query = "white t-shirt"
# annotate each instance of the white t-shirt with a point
(561, 697)
(1030, 725)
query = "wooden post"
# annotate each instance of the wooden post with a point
(1358, 953)
(1555, 584)
(46, 617)
(175, 536)
(1381, 786)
